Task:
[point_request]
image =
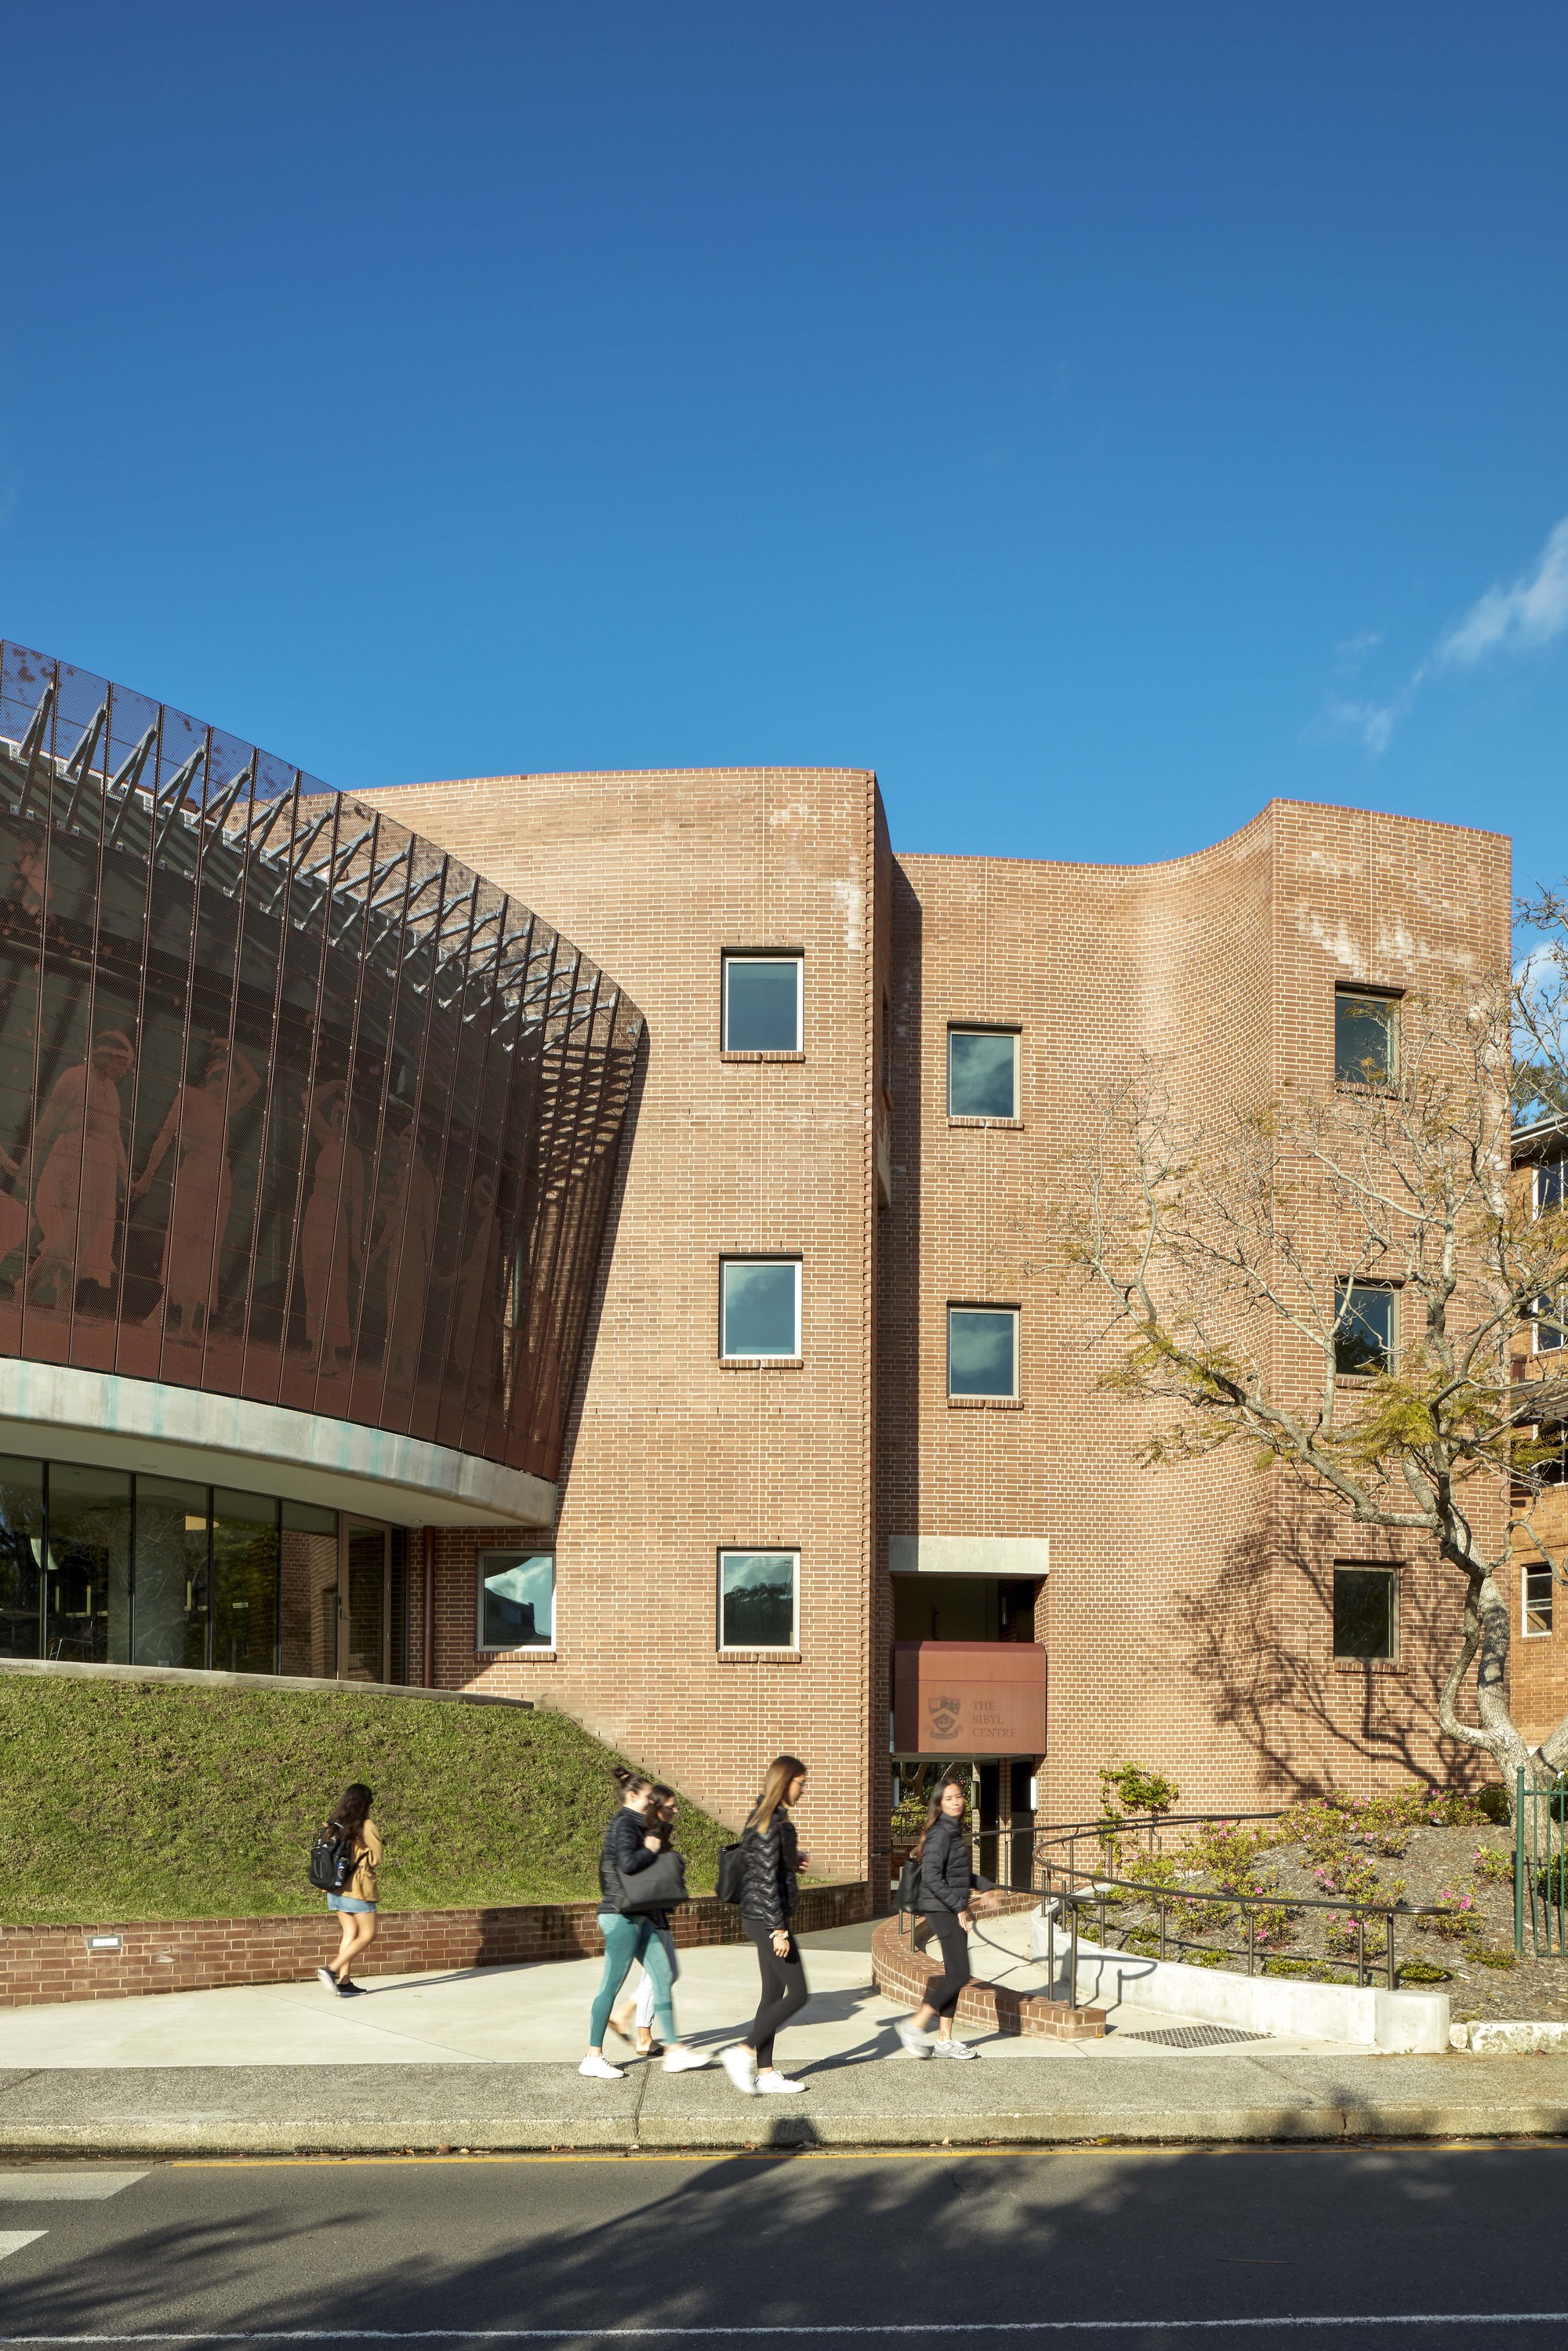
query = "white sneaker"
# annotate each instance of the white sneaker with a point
(325, 1978)
(740, 2064)
(940, 2048)
(600, 2069)
(685, 2061)
(774, 2080)
(918, 2043)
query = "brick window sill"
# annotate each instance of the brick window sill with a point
(1384, 1667)
(727, 1056)
(486, 1659)
(761, 1363)
(984, 1403)
(758, 1656)
(1007, 1125)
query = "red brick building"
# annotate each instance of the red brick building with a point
(934, 1458)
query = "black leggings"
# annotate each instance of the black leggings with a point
(783, 1989)
(941, 1992)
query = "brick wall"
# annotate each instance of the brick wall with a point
(901, 1969)
(44, 1965)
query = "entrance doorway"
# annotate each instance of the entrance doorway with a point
(1001, 1810)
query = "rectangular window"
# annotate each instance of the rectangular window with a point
(762, 1004)
(171, 1601)
(758, 1596)
(1365, 1624)
(982, 1351)
(1551, 1323)
(1363, 1328)
(1366, 1038)
(1551, 1186)
(759, 1306)
(1537, 1595)
(21, 1557)
(87, 1595)
(517, 1599)
(982, 1073)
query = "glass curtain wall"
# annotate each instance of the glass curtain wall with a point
(100, 1567)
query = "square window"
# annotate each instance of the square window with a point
(1366, 1033)
(762, 1004)
(1363, 1328)
(1364, 1617)
(982, 1073)
(1551, 1189)
(982, 1351)
(759, 1306)
(1537, 1595)
(517, 1599)
(1550, 1322)
(757, 1599)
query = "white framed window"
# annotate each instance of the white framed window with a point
(760, 1600)
(1551, 1185)
(763, 1003)
(758, 1306)
(1535, 1597)
(983, 1351)
(982, 1073)
(517, 1600)
(1550, 1322)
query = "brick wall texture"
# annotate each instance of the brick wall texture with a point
(1186, 1611)
(41, 1966)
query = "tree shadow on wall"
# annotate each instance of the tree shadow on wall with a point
(1258, 1642)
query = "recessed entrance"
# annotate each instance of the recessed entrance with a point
(1001, 1810)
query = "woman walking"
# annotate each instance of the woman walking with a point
(631, 1844)
(636, 2016)
(772, 1860)
(946, 1885)
(350, 1816)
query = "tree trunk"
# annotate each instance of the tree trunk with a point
(1487, 1631)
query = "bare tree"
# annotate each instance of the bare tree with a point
(1252, 1267)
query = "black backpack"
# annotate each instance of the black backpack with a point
(731, 1881)
(331, 1859)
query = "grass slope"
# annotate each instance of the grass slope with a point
(127, 1800)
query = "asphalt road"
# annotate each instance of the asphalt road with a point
(1248, 2246)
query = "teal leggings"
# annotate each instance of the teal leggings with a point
(626, 1940)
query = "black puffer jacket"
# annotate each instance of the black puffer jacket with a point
(770, 1857)
(947, 1879)
(623, 1849)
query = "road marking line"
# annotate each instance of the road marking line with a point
(13, 2239)
(82, 2186)
(1144, 2151)
(724, 2334)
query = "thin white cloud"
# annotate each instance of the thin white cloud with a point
(1516, 620)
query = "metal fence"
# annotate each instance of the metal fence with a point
(1541, 1867)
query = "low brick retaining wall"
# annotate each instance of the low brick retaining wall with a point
(43, 1964)
(902, 1970)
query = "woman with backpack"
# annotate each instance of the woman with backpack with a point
(636, 2017)
(771, 1861)
(632, 1845)
(349, 1820)
(946, 1886)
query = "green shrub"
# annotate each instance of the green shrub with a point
(1491, 1802)
(1496, 1959)
(1493, 1866)
(1423, 1971)
(1131, 1788)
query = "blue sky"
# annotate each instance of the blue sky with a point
(1098, 418)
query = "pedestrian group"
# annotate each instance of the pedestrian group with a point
(642, 1878)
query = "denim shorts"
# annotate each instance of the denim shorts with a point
(348, 1902)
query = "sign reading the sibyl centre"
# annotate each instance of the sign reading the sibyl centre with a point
(969, 1697)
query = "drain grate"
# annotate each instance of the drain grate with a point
(1194, 2036)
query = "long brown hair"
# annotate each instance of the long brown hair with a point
(775, 1790)
(351, 1811)
(934, 1810)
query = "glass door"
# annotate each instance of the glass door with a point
(365, 1610)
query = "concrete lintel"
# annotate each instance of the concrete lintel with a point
(969, 1554)
(64, 1414)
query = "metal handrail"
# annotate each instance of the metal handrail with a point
(1071, 1899)
(1106, 1826)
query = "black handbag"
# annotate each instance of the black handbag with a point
(908, 1896)
(658, 1887)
